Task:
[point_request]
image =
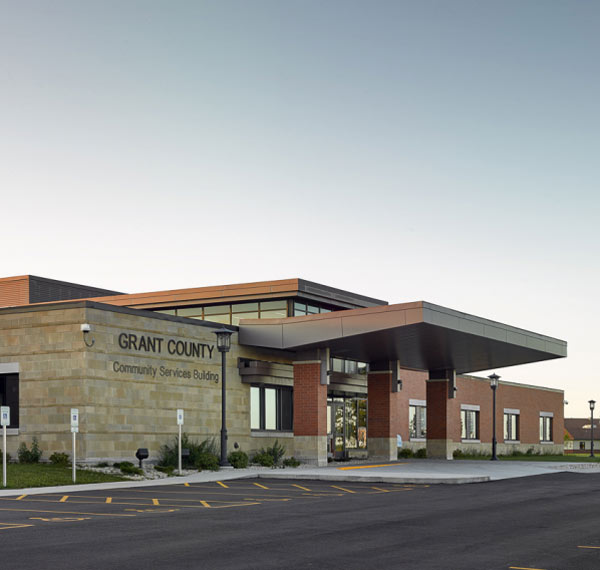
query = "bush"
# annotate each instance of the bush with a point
(129, 468)
(207, 462)
(32, 455)
(421, 453)
(238, 459)
(8, 457)
(457, 454)
(276, 451)
(405, 452)
(168, 455)
(263, 458)
(291, 462)
(58, 458)
(102, 464)
(167, 470)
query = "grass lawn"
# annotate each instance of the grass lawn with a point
(24, 475)
(560, 458)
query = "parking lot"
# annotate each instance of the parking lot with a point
(26, 511)
(548, 522)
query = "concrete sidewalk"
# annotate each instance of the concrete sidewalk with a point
(414, 471)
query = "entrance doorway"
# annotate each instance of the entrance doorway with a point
(346, 427)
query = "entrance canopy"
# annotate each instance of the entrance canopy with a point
(420, 335)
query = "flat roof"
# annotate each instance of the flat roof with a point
(243, 292)
(420, 335)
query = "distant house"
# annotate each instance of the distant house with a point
(580, 430)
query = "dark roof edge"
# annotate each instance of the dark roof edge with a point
(70, 284)
(489, 322)
(334, 294)
(114, 309)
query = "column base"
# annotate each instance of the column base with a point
(440, 448)
(383, 448)
(311, 449)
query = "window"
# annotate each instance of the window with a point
(469, 423)
(9, 396)
(271, 408)
(417, 421)
(511, 425)
(545, 427)
(356, 423)
(232, 314)
(301, 309)
(346, 366)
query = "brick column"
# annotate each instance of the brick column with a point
(310, 413)
(441, 411)
(383, 415)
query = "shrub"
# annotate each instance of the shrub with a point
(168, 455)
(291, 462)
(58, 458)
(102, 464)
(263, 458)
(421, 453)
(32, 455)
(238, 459)
(405, 452)
(129, 468)
(206, 461)
(276, 451)
(167, 470)
(457, 454)
(8, 457)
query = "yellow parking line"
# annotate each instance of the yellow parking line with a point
(300, 487)
(261, 486)
(380, 489)
(522, 568)
(343, 489)
(21, 497)
(155, 502)
(67, 512)
(11, 525)
(222, 484)
(369, 466)
(595, 547)
(205, 504)
(186, 484)
(64, 499)
(108, 500)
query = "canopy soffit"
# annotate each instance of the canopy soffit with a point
(420, 335)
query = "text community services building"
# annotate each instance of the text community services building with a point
(327, 372)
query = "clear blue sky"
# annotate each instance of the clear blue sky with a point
(445, 151)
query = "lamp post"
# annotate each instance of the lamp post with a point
(223, 344)
(494, 385)
(592, 404)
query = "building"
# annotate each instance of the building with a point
(580, 432)
(327, 372)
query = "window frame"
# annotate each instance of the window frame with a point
(513, 416)
(420, 408)
(546, 425)
(282, 422)
(468, 410)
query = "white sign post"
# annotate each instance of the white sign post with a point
(74, 430)
(4, 422)
(179, 424)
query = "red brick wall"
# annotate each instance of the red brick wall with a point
(530, 401)
(14, 291)
(384, 406)
(310, 400)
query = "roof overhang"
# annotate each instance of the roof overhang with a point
(420, 335)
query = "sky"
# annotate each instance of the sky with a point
(432, 150)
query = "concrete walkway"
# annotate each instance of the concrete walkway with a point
(415, 471)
